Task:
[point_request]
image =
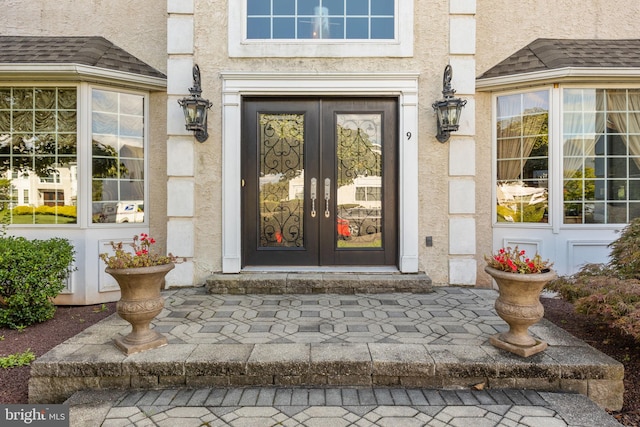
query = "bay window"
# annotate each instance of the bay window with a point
(601, 155)
(522, 131)
(117, 157)
(597, 175)
(41, 148)
(38, 153)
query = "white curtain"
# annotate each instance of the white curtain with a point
(518, 132)
(627, 124)
(578, 131)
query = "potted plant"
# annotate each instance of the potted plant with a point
(520, 280)
(139, 273)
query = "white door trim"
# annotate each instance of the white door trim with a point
(238, 84)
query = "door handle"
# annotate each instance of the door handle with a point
(327, 197)
(313, 189)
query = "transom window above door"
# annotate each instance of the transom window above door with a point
(321, 19)
(335, 28)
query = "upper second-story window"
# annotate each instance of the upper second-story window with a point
(321, 28)
(321, 19)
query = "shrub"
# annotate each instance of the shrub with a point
(606, 297)
(625, 252)
(23, 210)
(66, 211)
(609, 292)
(32, 273)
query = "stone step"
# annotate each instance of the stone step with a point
(311, 282)
(57, 375)
(437, 340)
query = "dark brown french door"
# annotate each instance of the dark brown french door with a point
(319, 181)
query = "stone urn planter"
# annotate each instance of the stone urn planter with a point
(139, 303)
(519, 305)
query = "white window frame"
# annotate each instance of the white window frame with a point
(556, 157)
(29, 175)
(553, 162)
(240, 46)
(84, 110)
(89, 172)
(560, 151)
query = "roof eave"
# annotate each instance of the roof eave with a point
(560, 75)
(79, 72)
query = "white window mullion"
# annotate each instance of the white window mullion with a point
(84, 152)
(556, 159)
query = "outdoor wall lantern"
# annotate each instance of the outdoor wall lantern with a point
(195, 108)
(448, 110)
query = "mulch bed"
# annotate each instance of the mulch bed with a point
(69, 321)
(40, 338)
(610, 341)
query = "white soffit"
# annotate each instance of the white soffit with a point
(78, 72)
(560, 75)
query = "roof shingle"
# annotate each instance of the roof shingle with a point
(92, 51)
(548, 54)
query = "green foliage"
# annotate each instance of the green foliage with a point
(5, 193)
(100, 309)
(358, 156)
(140, 255)
(18, 359)
(578, 189)
(32, 273)
(67, 211)
(528, 213)
(625, 252)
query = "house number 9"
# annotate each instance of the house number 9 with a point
(408, 136)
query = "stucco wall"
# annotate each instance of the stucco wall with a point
(139, 27)
(505, 26)
(431, 54)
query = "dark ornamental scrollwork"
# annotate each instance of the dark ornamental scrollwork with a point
(281, 164)
(359, 154)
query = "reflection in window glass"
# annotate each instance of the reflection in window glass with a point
(321, 19)
(523, 157)
(601, 147)
(281, 180)
(359, 180)
(117, 157)
(38, 155)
